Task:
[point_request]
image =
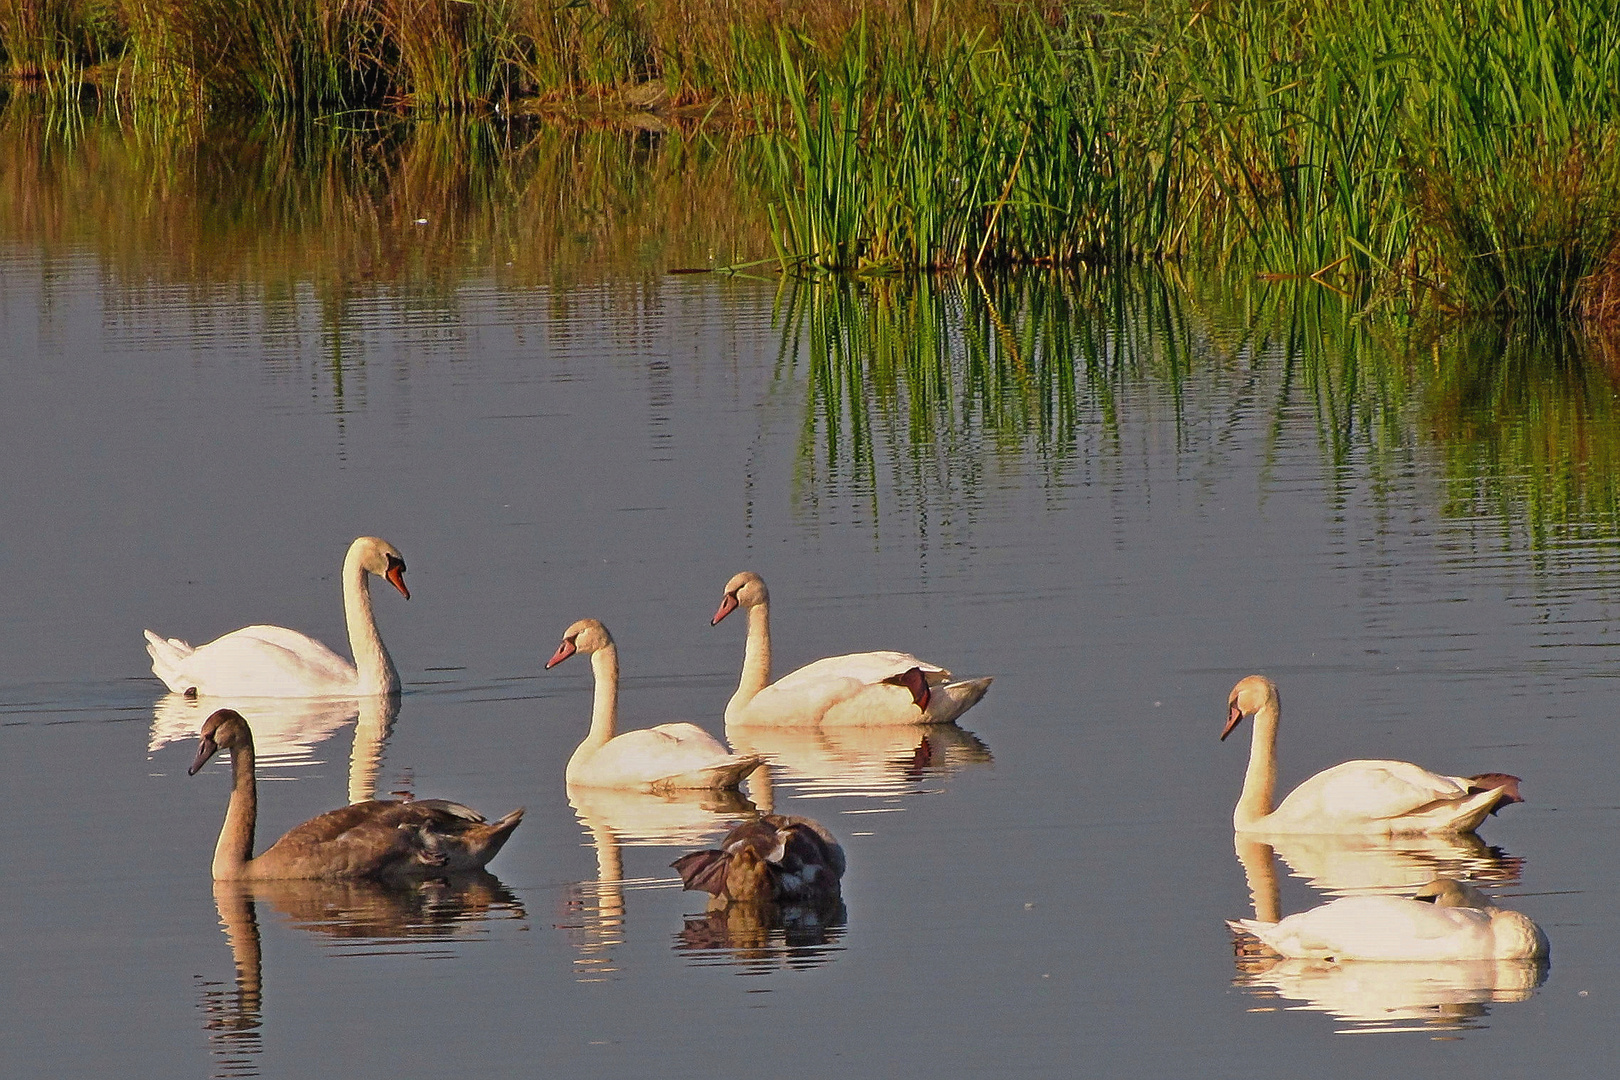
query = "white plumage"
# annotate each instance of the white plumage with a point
(275, 662)
(1370, 796)
(1458, 923)
(868, 688)
(663, 758)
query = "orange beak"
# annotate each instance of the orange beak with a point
(728, 604)
(564, 651)
(396, 577)
(1233, 716)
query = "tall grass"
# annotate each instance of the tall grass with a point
(1462, 153)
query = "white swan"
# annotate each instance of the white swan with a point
(1447, 920)
(1381, 797)
(664, 758)
(860, 688)
(272, 661)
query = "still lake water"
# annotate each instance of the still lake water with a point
(1116, 498)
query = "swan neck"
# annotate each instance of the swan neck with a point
(1260, 781)
(1260, 868)
(604, 705)
(235, 846)
(372, 663)
(371, 733)
(237, 916)
(756, 670)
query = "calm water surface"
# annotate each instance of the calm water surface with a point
(1117, 502)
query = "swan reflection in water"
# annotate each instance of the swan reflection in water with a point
(287, 730)
(1372, 996)
(775, 896)
(596, 915)
(1355, 865)
(618, 819)
(368, 917)
(870, 762)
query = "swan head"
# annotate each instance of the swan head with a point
(1449, 892)
(377, 556)
(746, 589)
(1247, 698)
(224, 730)
(585, 636)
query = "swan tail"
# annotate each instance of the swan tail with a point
(1252, 927)
(957, 698)
(496, 834)
(722, 777)
(167, 655)
(1455, 815)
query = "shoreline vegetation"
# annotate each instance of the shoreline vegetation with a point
(1460, 158)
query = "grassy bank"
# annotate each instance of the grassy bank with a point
(1463, 156)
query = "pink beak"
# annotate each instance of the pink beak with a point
(564, 651)
(728, 604)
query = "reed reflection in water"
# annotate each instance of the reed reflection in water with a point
(361, 918)
(913, 389)
(914, 392)
(1379, 996)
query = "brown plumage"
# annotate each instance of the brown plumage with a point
(1507, 782)
(377, 839)
(771, 859)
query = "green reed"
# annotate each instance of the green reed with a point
(1462, 155)
(914, 388)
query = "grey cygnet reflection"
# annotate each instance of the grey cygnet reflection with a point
(775, 896)
(399, 918)
(1374, 996)
(870, 762)
(287, 730)
(619, 819)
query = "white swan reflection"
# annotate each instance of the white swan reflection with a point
(868, 762)
(364, 917)
(1351, 865)
(677, 823)
(615, 820)
(1429, 996)
(286, 730)
(1370, 996)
